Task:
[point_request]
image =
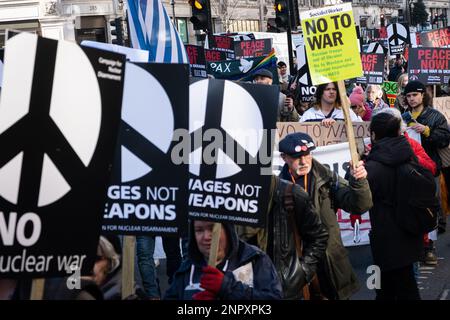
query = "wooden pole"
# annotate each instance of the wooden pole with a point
(434, 91)
(348, 123)
(212, 261)
(37, 289)
(129, 244)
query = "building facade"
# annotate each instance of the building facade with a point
(78, 20)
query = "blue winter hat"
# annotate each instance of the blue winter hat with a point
(296, 144)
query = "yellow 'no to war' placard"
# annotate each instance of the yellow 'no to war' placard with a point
(331, 44)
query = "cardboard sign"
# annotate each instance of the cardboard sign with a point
(231, 166)
(307, 89)
(429, 65)
(214, 55)
(148, 195)
(373, 67)
(443, 105)
(224, 44)
(243, 69)
(197, 61)
(398, 37)
(252, 48)
(57, 150)
(322, 135)
(331, 43)
(439, 38)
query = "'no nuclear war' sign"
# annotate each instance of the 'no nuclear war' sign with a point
(331, 46)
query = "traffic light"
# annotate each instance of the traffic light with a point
(382, 20)
(295, 15)
(116, 28)
(281, 13)
(200, 14)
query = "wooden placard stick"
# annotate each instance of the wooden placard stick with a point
(348, 123)
(212, 261)
(37, 289)
(434, 91)
(129, 244)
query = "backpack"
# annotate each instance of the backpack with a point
(417, 205)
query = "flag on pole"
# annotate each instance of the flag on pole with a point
(152, 30)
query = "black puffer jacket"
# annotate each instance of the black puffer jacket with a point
(392, 248)
(439, 134)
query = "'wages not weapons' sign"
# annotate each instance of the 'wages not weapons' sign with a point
(373, 66)
(148, 194)
(331, 46)
(429, 65)
(230, 177)
(439, 38)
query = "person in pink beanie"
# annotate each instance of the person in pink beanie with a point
(358, 105)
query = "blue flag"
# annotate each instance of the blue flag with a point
(152, 30)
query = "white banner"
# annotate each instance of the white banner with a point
(336, 157)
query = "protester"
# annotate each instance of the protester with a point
(394, 250)
(358, 104)
(397, 69)
(241, 272)
(329, 192)
(286, 110)
(145, 248)
(375, 101)
(432, 126)
(400, 103)
(291, 219)
(327, 108)
(284, 76)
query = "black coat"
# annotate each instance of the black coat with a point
(392, 248)
(439, 134)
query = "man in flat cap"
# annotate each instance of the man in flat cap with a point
(328, 192)
(286, 110)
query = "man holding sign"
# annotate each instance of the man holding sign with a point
(329, 192)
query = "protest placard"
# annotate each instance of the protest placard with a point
(147, 195)
(227, 182)
(439, 38)
(429, 65)
(57, 150)
(252, 48)
(197, 60)
(331, 46)
(373, 67)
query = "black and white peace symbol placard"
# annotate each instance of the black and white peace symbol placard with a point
(59, 118)
(148, 191)
(398, 37)
(229, 125)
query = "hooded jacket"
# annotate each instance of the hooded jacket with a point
(392, 248)
(257, 274)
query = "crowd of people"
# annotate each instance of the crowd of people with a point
(300, 253)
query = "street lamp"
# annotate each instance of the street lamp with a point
(172, 3)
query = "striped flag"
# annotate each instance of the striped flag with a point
(152, 30)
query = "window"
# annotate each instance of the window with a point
(183, 29)
(244, 26)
